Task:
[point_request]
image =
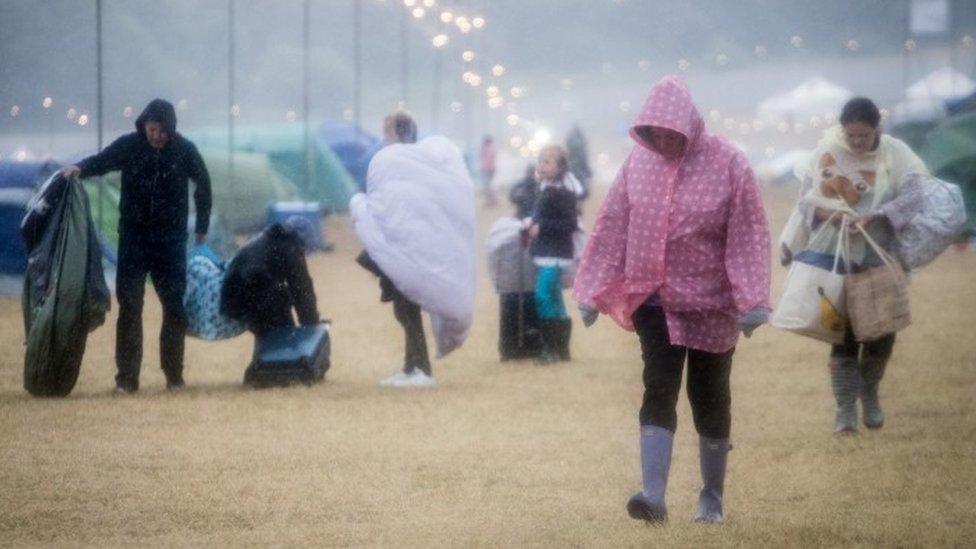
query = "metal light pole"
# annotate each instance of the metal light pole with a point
(305, 102)
(404, 57)
(357, 52)
(99, 103)
(230, 92)
(436, 96)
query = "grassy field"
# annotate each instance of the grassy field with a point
(500, 454)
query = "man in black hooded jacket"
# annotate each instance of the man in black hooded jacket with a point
(156, 164)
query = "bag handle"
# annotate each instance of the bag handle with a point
(879, 250)
(843, 244)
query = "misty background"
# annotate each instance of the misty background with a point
(589, 62)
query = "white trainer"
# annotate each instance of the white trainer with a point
(395, 380)
(417, 379)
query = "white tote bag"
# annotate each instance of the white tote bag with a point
(812, 303)
(794, 237)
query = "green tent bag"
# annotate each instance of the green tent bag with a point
(65, 295)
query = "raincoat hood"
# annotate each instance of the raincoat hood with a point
(161, 111)
(669, 106)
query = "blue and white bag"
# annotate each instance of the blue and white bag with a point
(204, 279)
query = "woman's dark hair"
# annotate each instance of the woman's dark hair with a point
(403, 126)
(860, 109)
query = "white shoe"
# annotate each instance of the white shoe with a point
(395, 380)
(417, 379)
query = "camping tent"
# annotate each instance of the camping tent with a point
(352, 145)
(926, 99)
(330, 183)
(815, 97)
(18, 181)
(950, 154)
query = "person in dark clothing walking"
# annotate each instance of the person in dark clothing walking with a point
(525, 193)
(551, 226)
(577, 152)
(268, 277)
(156, 163)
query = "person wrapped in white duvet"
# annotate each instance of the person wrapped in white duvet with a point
(416, 223)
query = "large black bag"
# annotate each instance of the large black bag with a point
(290, 355)
(518, 330)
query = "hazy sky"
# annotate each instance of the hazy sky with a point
(574, 59)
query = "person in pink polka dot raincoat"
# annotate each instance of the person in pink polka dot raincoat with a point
(680, 254)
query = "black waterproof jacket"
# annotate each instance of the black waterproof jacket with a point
(555, 212)
(268, 272)
(154, 199)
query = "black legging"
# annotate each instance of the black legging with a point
(708, 379)
(407, 314)
(871, 356)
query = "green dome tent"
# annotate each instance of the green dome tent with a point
(330, 183)
(950, 154)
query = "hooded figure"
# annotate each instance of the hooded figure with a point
(680, 253)
(156, 164)
(268, 277)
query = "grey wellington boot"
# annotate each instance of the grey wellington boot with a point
(845, 380)
(713, 456)
(872, 370)
(648, 504)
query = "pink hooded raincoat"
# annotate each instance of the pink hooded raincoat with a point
(691, 230)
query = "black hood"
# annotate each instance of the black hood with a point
(158, 110)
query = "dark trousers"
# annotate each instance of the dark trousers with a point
(871, 356)
(407, 314)
(708, 379)
(165, 263)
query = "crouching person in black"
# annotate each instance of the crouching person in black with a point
(268, 277)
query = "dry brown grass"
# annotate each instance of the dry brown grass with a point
(499, 454)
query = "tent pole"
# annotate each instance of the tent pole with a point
(305, 115)
(230, 94)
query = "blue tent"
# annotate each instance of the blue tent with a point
(18, 180)
(353, 145)
(959, 105)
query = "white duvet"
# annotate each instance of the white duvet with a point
(416, 221)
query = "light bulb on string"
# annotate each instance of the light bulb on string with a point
(456, 106)
(683, 64)
(512, 119)
(127, 112)
(467, 56)
(47, 103)
(440, 40)
(83, 120)
(853, 45)
(15, 111)
(478, 22)
(409, 3)
(446, 17)
(967, 41)
(910, 45)
(760, 51)
(291, 115)
(429, 3)
(721, 59)
(796, 41)
(498, 70)
(418, 12)
(71, 114)
(516, 92)
(235, 110)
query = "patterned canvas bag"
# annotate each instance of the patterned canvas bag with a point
(877, 298)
